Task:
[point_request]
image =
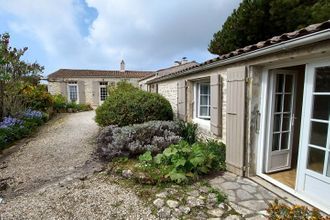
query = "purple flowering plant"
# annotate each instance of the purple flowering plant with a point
(10, 122)
(29, 113)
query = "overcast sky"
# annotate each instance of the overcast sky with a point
(97, 34)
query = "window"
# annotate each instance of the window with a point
(103, 91)
(73, 91)
(203, 100)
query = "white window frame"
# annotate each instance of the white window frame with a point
(75, 84)
(103, 85)
(198, 100)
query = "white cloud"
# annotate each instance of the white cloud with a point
(147, 34)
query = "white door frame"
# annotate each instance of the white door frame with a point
(270, 117)
(263, 131)
(106, 84)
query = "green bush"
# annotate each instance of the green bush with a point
(59, 102)
(61, 105)
(128, 105)
(188, 131)
(38, 98)
(278, 211)
(181, 162)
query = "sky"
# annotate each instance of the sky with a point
(98, 34)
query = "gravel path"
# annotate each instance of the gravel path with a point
(54, 175)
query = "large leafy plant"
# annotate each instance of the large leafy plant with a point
(182, 162)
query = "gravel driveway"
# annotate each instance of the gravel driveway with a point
(54, 175)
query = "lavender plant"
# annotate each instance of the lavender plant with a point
(29, 113)
(10, 122)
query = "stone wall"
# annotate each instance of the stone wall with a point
(170, 91)
(54, 87)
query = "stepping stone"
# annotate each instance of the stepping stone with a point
(172, 203)
(216, 212)
(162, 195)
(159, 203)
(194, 202)
(256, 205)
(230, 185)
(184, 209)
(193, 193)
(243, 195)
(249, 188)
(233, 217)
(164, 212)
(204, 189)
(241, 210)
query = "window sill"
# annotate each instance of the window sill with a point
(203, 123)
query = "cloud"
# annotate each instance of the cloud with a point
(99, 33)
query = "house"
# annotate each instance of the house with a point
(167, 90)
(270, 103)
(90, 86)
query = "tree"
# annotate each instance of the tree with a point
(14, 72)
(257, 20)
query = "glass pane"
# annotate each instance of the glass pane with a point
(316, 159)
(288, 83)
(319, 133)
(204, 89)
(278, 103)
(321, 107)
(204, 100)
(277, 122)
(328, 167)
(286, 122)
(322, 79)
(279, 82)
(204, 111)
(276, 140)
(287, 103)
(285, 140)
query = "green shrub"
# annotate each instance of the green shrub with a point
(128, 105)
(181, 162)
(59, 102)
(188, 131)
(61, 105)
(278, 211)
(38, 98)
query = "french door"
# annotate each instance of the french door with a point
(281, 118)
(314, 166)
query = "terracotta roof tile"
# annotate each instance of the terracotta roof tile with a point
(76, 73)
(262, 44)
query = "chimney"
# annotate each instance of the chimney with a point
(184, 60)
(122, 66)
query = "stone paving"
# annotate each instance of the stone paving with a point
(245, 196)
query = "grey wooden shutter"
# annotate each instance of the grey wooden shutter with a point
(81, 89)
(64, 89)
(182, 96)
(235, 119)
(96, 92)
(216, 126)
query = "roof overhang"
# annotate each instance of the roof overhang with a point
(275, 48)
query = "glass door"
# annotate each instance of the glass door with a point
(281, 121)
(314, 161)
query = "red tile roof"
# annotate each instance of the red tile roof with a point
(76, 73)
(260, 45)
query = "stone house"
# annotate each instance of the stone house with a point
(270, 104)
(90, 86)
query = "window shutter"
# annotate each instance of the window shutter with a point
(182, 94)
(64, 89)
(235, 119)
(216, 126)
(81, 89)
(96, 92)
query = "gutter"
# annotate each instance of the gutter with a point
(282, 46)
